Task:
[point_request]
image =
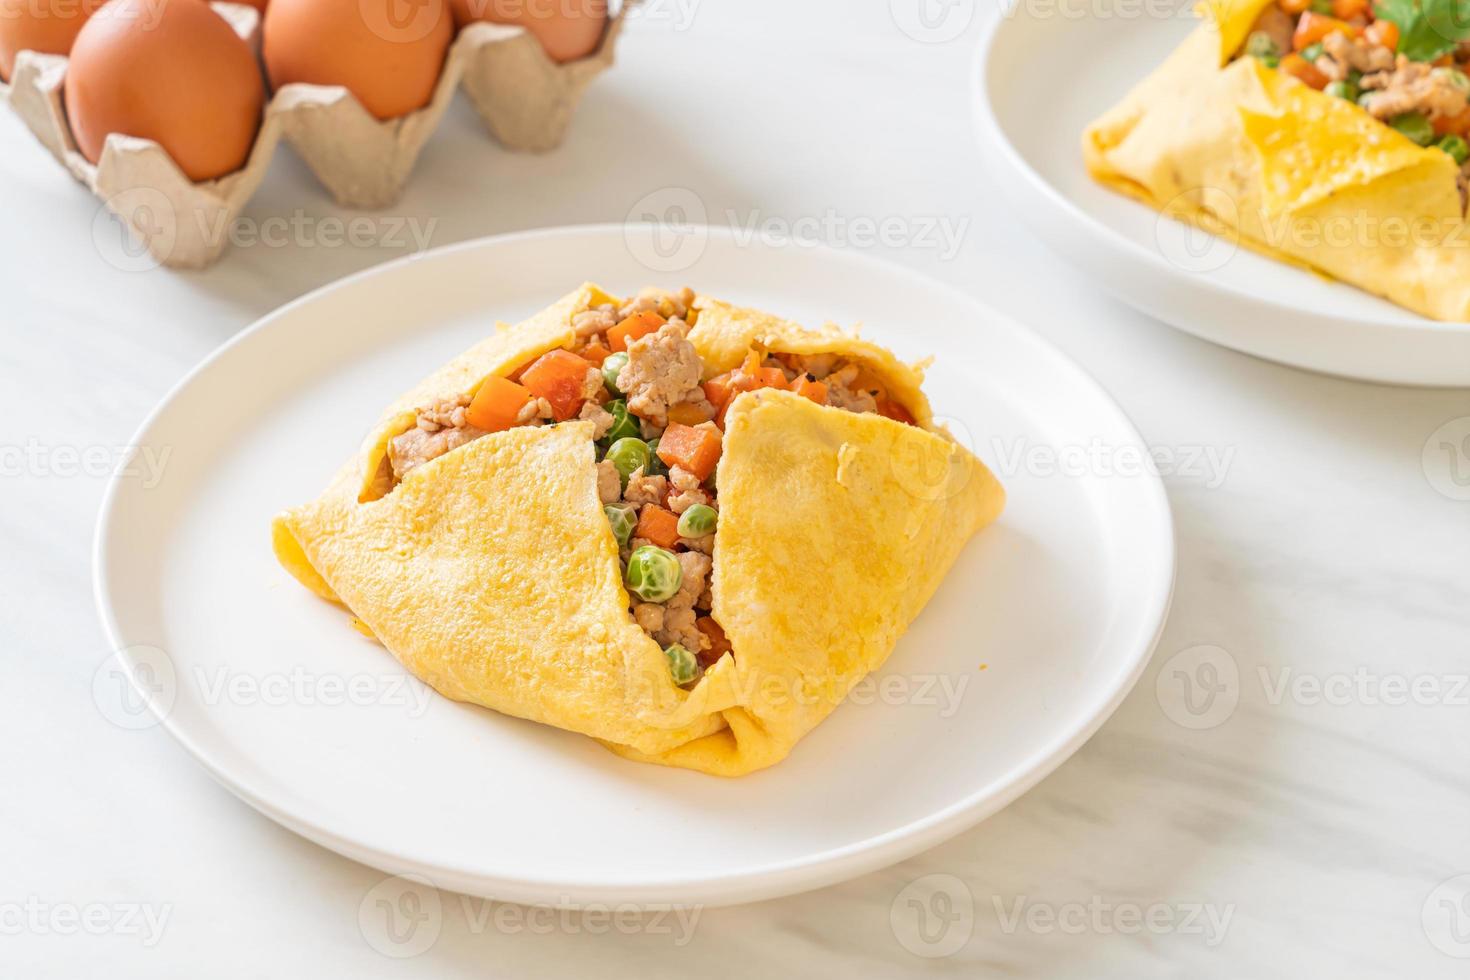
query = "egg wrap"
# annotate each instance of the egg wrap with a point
(491, 572)
(1255, 156)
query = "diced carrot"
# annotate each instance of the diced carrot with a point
(1303, 70)
(752, 375)
(1348, 9)
(890, 409)
(1383, 32)
(596, 353)
(1294, 6)
(558, 376)
(497, 404)
(1444, 61)
(771, 377)
(687, 414)
(1313, 27)
(719, 643)
(635, 326)
(718, 390)
(696, 450)
(657, 525)
(1458, 124)
(808, 388)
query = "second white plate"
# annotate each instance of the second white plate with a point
(1032, 641)
(1030, 115)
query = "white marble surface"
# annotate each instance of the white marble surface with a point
(1311, 832)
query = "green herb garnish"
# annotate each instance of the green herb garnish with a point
(1427, 28)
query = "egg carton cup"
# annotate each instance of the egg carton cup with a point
(526, 100)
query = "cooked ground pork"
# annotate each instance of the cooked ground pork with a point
(1343, 54)
(663, 370)
(685, 490)
(441, 426)
(679, 616)
(600, 418)
(842, 393)
(1412, 86)
(609, 483)
(646, 489)
(536, 411)
(601, 319)
(667, 305)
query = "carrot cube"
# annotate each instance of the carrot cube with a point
(657, 525)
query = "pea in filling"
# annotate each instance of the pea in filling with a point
(657, 417)
(1404, 62)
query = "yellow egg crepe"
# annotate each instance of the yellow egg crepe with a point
(1249, 152)
(491, 571)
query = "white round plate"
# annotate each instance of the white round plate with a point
(1046, 70)
(275, 693)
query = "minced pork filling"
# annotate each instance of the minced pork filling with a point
(657, 419)
(1382, 57)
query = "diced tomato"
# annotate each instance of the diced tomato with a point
(657, 525)
(808, 388)
(1349, 9)
(890, 409)
(635, 326)
(1313, 27)
(497, 404)
(596, 353)
(558, 376)
(696, 450)
(719, 643)
(1383, 32)
(1303, 70)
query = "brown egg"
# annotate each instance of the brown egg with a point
(567, 29)
(47, 26)
(388, 53)
(166, 70)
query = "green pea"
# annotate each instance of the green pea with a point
(653, 574)
(1321, 6)
(1414, 125)
(655, 466)
(1354, 76)
(628, 455)
(1455, 77)
(623, 518)
(624, 425)
(1312, 51)
(1455, 146)
(698, 521)
(1260, 45)
(681, 664)
(610, 368)
(1342, 90)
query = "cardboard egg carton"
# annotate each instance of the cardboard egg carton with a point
(525, 98)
